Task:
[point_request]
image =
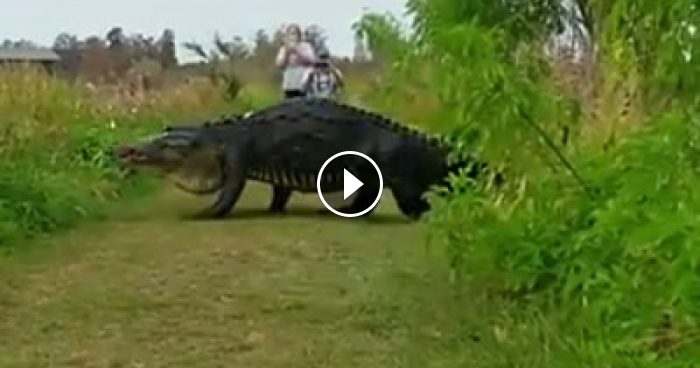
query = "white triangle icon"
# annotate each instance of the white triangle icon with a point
(350, 184)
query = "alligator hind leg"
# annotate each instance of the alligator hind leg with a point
(280, 198)
(365, 195)
(410, 201)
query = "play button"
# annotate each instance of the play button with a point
(352, 168)
(350, 184)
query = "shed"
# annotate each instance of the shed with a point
(43, 56)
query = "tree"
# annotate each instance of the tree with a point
(265, 47)
(115, 38)
(220, 63)
(360, 52)
(65, 41)
(235, 49)
(18, 44)
(380, 35)
(166, 46)
(67, 47)
(96, 61)
(118, 50)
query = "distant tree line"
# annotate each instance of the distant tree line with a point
(109, 58)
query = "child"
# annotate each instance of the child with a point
(324, 80)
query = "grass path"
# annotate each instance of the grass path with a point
(150, 289)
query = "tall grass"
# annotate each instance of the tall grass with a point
(591, 247)
(55, 140)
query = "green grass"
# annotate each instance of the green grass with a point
(146, 288)
(55, 138)
(154, 290)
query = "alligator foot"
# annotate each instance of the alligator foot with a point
(228, 196)
(280, 198)
(410, 202)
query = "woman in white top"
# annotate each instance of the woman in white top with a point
(296, 58)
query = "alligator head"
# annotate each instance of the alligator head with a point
(182, 155)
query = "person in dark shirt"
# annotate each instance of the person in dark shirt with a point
(324, 80)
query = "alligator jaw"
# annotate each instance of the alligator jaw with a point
(131, 154)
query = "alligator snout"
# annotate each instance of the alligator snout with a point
(128, 153)
(123, 151)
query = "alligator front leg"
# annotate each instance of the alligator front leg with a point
(366, 196)
(234, 182)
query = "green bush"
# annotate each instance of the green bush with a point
(613, 261)
(56, 166)
(593, 240)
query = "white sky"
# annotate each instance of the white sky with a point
(193, 20)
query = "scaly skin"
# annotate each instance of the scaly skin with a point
(283, 182)
(286, 144)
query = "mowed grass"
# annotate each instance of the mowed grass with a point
(152, 289)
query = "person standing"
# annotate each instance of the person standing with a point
(296, 57)
(324, 80)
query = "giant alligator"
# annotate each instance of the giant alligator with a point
(286, 145)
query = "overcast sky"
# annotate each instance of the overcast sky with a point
(198, 20)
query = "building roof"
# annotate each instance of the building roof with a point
(27, 54)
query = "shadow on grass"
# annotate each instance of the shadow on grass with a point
(303, 212)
